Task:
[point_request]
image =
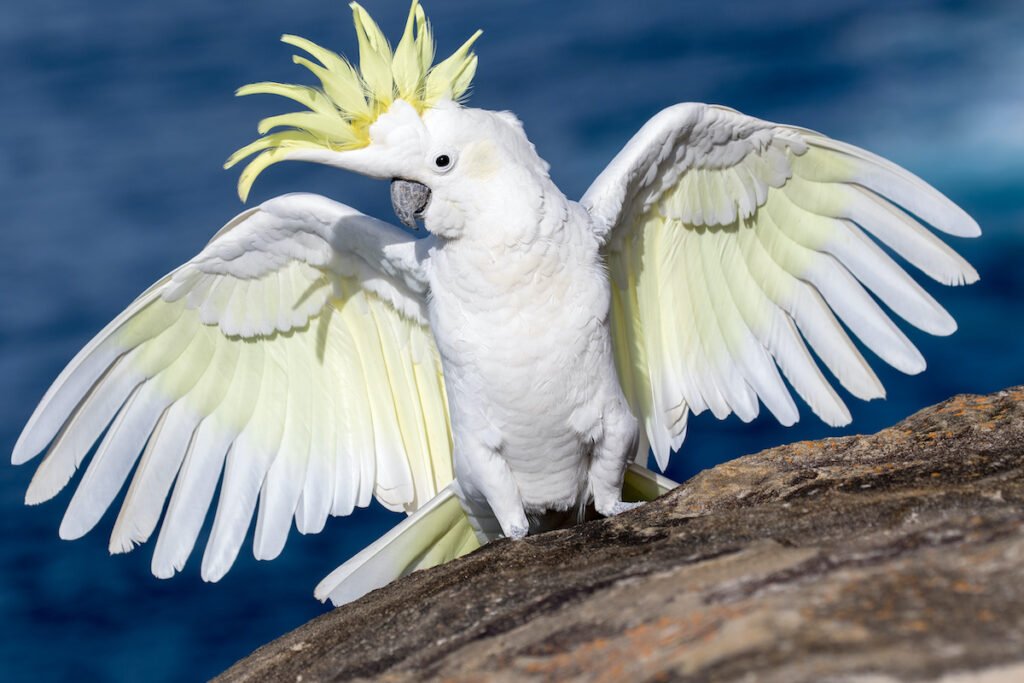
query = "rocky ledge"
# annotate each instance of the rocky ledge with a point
(867, 559)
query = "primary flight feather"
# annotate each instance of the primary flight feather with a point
(512, 368)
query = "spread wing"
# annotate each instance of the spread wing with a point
(735, 244)
(290, 362)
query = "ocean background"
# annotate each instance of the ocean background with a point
(115, 118)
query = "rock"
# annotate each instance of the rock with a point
(865, 559)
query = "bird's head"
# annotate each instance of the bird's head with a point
(397, 116)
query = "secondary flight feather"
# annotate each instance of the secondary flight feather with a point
(511, 371)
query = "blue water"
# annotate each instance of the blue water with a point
(116, 117)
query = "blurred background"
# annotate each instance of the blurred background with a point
(117, 116)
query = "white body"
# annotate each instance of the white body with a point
(519, 310)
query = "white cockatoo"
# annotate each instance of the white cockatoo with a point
(511, 368)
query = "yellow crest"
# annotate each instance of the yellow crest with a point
(348, 100)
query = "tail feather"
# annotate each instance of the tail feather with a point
(437, 533)
(641, 484)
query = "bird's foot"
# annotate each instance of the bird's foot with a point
(517, 533)
(618, 507)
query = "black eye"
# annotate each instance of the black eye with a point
(442, 161)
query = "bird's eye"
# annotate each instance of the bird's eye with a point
(442, 161)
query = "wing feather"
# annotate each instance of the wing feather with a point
(866, 261)
(757, 368)
(848, 164)
(283, 484)
(204, 442)
(396, 356)
(314, 505)
(392, 481)
(735, 395)
(737, 246)
(152, 483)
(260, 429)
(845, 296)
(191, 499)
(892, 226)
(289, 362)
(778, 335)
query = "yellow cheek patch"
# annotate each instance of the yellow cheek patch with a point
(480, 160)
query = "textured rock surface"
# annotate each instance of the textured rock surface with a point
(891, 557)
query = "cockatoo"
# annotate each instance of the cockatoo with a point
(513, 367)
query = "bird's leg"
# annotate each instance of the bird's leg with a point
(608, 463)
(486, 478)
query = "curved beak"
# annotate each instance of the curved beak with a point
(409, 200)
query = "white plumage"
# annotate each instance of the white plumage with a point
(274, 356)
(311, 357)
(740, 278)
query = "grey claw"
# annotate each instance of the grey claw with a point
(619, 507)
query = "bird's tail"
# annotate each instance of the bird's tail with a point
(439, 532)
(642, 484)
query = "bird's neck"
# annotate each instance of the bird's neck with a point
(520, 220)
(519, 247)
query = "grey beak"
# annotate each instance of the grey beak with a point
(409, 199)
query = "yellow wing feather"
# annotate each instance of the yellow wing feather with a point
(264, 363)
(735, 243)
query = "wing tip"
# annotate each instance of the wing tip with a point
(120, 545)
(944, 327)
(23, 451)
(214, 572)
(162, 566)
(785, 410)
(838, 420)
(266, 549)
(661, 458)
(969, 228)
(49, 479)
(219, 556)
(38, 494)
(788, 420)
(71, 529)
(959, 223)
(967, 276)
(916, 367)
